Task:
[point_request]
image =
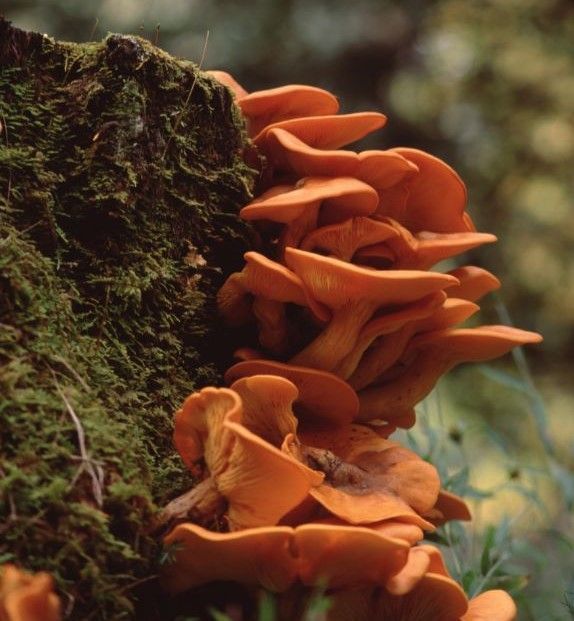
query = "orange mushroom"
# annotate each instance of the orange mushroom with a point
(254, 556)
(27, 597)
(327, 132)
(276, 557)
(228, 80)
(398, 325)
(334, 199)
(353, 294)
(249, 439)
(387, 346)
(261, 289)
(421, 591)
(493, 605)
(448, 507)
(474, 283)
(380, 169)
(368, 479)
(435, 199)
(428, 356)
(322, 395)
(216, 425)
(342, 240)
(266, 107)
(421, 251)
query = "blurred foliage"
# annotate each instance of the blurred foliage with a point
(487, 85)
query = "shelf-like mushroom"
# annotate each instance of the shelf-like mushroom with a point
(276, 557)
(236, 439)
(327, 132)
(27, 597)
(368, 479)
(353, 294)
(429, 356)
(342, 240)
(322, 396)
(419, 251)
(262, 108)
(474, 283)
(382, 170)
(228, 80)
(260, 291)
(422, 590)
(300, 206)
(386, 347)
(435, 200)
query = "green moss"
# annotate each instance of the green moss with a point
(121, 175)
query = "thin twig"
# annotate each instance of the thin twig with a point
(188, 98)
(95, 27)
(95, 471)
(73, 372)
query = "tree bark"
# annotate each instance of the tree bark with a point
(121, 176)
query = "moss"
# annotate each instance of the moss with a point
(121, 175)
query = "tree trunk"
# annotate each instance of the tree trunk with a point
(121, 176)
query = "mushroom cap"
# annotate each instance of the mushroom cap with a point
(272, 105)
(27, 597)
(452, 312)
(475, 344)
(435, 247)
(193, 422)
(427, 597)
(258, 556)
(275, 557)
(436, 196)
(493, 605)
(330, 131)
(410, 533)
(413, 571)
(238, 433)
(452, 507)
(343, 239)
(336, 283)
(368, 479)
(427, 357)
(346, 556)
(266, 278)
(287, 153)
(341, 197)
(397, 325)
(255, 466)
(423, 250)
(228, 80)
(321, 395)
(474, 283)
(267, 402)
(384, 169)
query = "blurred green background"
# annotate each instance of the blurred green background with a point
(488, 85)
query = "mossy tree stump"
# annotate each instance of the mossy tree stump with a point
(121, 176)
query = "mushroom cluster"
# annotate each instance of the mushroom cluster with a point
(308, 497)
(300, 482)
(27, 597)
(343, 281)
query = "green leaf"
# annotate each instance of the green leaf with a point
(485, 558)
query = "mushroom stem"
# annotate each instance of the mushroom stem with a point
(203, 505)
(338, 338)
(272, 324)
